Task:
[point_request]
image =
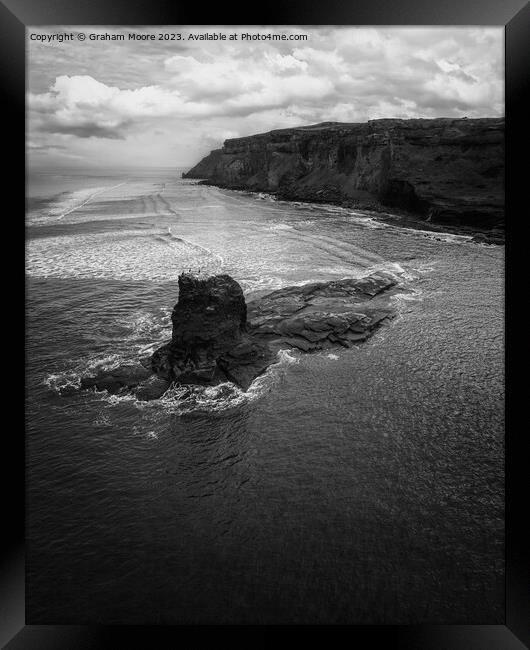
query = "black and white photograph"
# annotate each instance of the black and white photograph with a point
(265, 325)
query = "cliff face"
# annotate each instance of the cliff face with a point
(446, 170)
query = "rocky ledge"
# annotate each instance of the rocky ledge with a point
(445, 171)
(218, 337)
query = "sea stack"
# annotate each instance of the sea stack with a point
(209, 334)
(217, 337)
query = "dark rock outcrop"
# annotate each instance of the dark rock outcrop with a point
(152, 388)
(322, 315)
(209, 340)
(447, 171)
(216, 336)
(113, 381)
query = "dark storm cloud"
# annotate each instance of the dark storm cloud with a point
(87, 131)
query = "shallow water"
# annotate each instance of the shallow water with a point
(357, 486)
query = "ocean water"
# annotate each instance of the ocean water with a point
(352, 486)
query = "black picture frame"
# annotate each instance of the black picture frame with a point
(515, 16)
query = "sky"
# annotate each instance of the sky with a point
(167, 103)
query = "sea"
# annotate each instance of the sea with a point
(352, 486)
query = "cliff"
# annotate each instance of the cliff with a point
(444, 170)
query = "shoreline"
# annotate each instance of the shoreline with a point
(398, 216)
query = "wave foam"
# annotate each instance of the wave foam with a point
(182, 400)
(401, 299)
(139, 326)
(70, 202)
(178, 399)
(68, 381)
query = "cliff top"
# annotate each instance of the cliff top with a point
(413, 123)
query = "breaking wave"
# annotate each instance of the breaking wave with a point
(69, 202)
(189, 399)
(178, 399)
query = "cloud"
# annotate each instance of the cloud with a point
(157, 99)
(242, 86)
(85, 107)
